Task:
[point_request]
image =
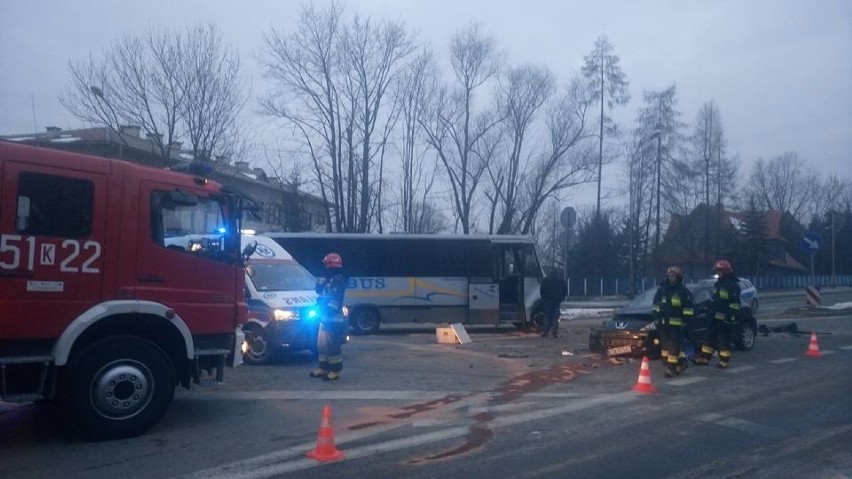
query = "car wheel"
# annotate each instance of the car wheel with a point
(259, 347)
(119, 387)
(747, 336)
(365, 321)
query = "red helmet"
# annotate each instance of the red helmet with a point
(332, 260)
(722, 267)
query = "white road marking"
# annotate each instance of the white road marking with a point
(740, 369)
(847, 348)
(686, 381)
(270, 465)
(783, 360)
(323, 395)
(743, 425)
(826, 351)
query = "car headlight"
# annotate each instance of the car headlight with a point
(345, 312)
(283, 314)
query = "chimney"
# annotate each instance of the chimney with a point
(261, 175)
(223, 159)
(131, 130)
(53, 129)
(242, 166)
(176, 145)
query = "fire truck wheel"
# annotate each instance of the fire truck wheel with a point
(119, 387)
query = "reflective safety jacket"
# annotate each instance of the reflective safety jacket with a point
(673, 304)
(726, 298)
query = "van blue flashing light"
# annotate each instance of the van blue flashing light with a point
(222, 230)
(312, 313)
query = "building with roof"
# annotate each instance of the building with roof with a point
(280, 206)
(767, 247)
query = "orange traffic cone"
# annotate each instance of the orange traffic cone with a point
(813, 347)
(325, 451)
(643, 384)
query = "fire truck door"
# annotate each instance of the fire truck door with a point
(180, 260)
(52, 247)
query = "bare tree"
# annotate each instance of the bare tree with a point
(565, 161)
(331, 78)
(710, 161)
(608, 85)
(412, 93)
(150, 81)
(305, 68)
(522, 94)
(213, 92)
(658, 119)
(454, 129)
(783, 184)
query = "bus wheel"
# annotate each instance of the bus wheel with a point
(537, 319)
(119, 387)
(259, 348)
(365, 321)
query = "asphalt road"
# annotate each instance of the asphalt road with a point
(509, 404)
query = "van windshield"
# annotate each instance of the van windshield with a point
(281, 277)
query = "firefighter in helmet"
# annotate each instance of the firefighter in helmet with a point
(332, 330)
(672, 309)
(725, 308)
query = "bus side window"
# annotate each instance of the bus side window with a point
(480, 264)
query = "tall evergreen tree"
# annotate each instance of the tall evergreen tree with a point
(607, 85)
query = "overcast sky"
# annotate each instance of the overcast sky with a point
(779, 70)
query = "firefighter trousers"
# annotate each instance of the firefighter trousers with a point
(331, 336)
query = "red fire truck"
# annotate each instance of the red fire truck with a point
(99, 311)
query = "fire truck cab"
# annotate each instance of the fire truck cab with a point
(99, 311)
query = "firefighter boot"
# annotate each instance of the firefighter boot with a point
(332, 376)
(703, 359)
(724, 358)
(681, 366)
(318, 373)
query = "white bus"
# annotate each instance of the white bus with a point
(401, 278)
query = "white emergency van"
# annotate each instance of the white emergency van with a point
(281, 299)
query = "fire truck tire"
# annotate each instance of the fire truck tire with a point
(119, 387)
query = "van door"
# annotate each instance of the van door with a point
(52, 251)
(181, 258)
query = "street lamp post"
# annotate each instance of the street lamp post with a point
(99, 94)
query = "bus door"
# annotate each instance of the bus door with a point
(483, 290)
(510, 276)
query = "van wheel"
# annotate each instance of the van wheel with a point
(259, 348)
(119, 387)
(365, 321)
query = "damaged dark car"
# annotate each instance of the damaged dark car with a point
(632, 332)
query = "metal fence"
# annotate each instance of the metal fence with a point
(579, 287)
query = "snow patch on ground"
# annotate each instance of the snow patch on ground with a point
(839, 306)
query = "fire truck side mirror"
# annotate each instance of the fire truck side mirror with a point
(249, 250)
